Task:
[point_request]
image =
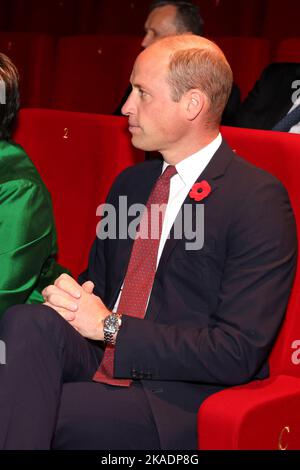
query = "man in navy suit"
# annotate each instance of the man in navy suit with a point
(214, 306)
(274, 95)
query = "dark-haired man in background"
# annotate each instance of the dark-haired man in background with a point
(167, 18)
(171, 17)
(274, 101)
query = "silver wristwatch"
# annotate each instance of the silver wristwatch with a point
(111, 325)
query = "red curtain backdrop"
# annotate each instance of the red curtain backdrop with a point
(271, 18)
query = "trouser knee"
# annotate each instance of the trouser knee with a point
(25, 319)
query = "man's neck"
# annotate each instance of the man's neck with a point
(181, 152)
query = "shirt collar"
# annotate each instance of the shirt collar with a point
(191, 167)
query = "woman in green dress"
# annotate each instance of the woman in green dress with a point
(27, 230)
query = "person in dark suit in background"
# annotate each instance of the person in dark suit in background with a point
(275, 95)
(163, 317)
(166, 18)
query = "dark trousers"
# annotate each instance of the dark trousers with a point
(48, 398)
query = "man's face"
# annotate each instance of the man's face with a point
(155, 121)
(161, 22)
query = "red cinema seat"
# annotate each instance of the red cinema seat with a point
(247, 56)
(92, 72)
(288, 50)
(263, 414)
(33, 55)
(78, 156)
(232, 17)
(5, 17)
(281, 19)
(120, 16)
(60, 17)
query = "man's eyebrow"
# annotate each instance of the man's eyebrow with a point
(136, 85)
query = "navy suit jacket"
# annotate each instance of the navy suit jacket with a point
(213, 314)
(271, 98)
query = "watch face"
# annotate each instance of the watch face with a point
(111, 324)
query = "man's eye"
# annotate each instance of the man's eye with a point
(142, 93)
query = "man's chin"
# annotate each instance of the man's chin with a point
(141, 144)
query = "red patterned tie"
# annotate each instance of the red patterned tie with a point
(141, 270)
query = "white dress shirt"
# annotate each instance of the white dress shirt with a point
(188, 171)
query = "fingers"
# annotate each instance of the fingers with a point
(66, 314)
(88, 287)
(68, 285)
(58, 298)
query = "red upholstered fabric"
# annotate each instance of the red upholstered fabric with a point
(261, 415)
(92, 72)
(248, 56)
(33, 54)
(78, 156)
(288, 50)
(232, 17)
(252, 416)
(267, 18)
(120, 16)
(47, 16)
(5, 23)
(281, 18)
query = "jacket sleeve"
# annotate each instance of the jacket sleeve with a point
(256, 283)
(26, 230)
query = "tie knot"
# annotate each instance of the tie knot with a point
(168, 173)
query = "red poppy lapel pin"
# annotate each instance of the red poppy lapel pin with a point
(200, 191)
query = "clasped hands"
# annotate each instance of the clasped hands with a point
(77, 305)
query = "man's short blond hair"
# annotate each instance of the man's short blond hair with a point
(204, 68)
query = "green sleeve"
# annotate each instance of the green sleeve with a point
(26, 239)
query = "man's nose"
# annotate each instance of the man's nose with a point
(147, 40)
(129, 106)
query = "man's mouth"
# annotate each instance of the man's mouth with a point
(133, 127)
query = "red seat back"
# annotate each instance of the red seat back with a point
(232, 17)
(278, 153)
(78, 156)
(92, 72)
(120, 16)
(288, 50)
(48, 16)
(33, 55)
(281, 19)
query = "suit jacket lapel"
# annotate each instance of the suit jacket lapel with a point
(212, 173)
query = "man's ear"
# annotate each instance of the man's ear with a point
(194, 104)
